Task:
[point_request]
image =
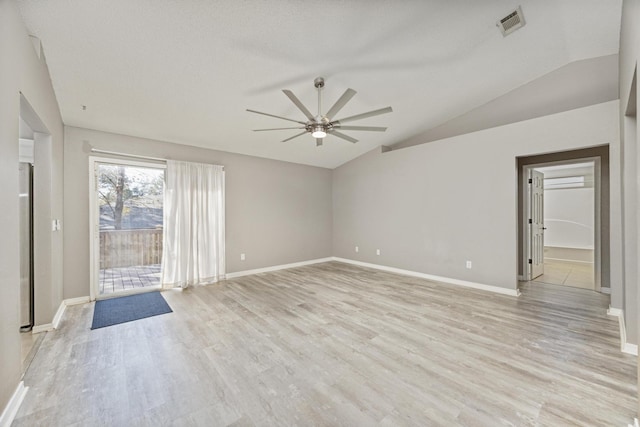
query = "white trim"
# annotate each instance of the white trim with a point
(58, 316)
(277, 267)
(625, 347)
(42, 328)
(145, 162)
(614, 312)
(63, 306)
(10, 411)
(636, 423)
(458, 282)
(94, 232)
(568, 260)
(129, 292)
(604, 290)
(56, 319)
(630, 349)
(76, 301)
(133, 156)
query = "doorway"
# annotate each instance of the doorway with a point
(571, 243)
(563, 232)
(36, 228)
(127, 232)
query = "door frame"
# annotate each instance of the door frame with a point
(597, 253)
(94, 224)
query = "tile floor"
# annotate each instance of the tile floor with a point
(567, 273)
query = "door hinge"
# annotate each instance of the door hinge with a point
(530, 221)
(530, 261)
(530, 181)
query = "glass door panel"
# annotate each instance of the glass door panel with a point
(130, 222)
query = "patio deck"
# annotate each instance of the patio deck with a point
(125, 278)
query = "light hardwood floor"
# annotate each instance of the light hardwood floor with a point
(335, 344)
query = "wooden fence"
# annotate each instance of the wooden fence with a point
(126, 248)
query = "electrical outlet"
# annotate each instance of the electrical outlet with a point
(357, 249)
(377, 251)
(242, 257)
(469, 264)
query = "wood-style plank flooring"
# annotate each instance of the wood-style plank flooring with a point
(335, 344)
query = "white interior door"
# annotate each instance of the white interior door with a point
(536, 224)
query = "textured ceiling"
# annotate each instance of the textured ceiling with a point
(185, 71)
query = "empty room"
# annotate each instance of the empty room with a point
(358, 213)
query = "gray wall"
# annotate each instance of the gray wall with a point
(431, 207)
(22, 71)
(276, 212)
(629, 58)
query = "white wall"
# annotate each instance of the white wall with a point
(569, 218)
(431, 207)
(21, 71)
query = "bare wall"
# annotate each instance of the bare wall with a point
(22, 71)
(276, 212)
(629, 153)
(431, 207)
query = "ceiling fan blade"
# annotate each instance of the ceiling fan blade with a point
(294, 136)
(363, 115)
(277, 117)
(343, 136)
(262, 130)
(341, 102)
(299, 104)
(370, 128)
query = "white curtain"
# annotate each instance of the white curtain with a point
(193, 224)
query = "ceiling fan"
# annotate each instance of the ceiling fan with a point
(321, 125)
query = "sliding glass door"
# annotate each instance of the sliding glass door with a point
(128, 224)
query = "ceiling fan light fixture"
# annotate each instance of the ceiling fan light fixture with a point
(318, 132)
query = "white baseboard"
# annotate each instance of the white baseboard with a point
(58, 316)
(458, 282)
(56, 319)
(636, 423)
(614, 312)
(567, 260)
(13, 405)
(76, 301)
(46, 327)
(625, 347)
(276, 267)
(605, 290)
(630, 349)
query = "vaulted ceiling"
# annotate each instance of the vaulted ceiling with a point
(185, 71)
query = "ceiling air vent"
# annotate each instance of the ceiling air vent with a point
(511, 22)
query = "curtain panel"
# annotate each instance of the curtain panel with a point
(193, 225)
